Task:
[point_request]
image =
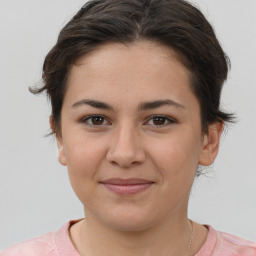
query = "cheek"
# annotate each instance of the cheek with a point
(83, 162)
(84, 158)
(177, 156)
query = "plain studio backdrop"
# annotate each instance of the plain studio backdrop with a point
(35, 194)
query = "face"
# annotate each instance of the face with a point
(131, 135)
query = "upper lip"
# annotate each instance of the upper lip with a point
(133, 181)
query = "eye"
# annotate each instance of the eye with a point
(95, 120)
(160, 121)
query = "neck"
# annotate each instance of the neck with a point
(166, 238)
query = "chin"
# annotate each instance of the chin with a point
(129, 221)
(129, 226)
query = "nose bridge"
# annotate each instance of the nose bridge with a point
(126, 147)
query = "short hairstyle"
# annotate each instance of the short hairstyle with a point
(174, 23)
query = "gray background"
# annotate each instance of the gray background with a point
(35, 194)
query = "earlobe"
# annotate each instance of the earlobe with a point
(211, 142)
(61, 156)
(61, 152)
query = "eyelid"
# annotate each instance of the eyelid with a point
(170, 120)
(86, 118)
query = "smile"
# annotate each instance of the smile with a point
(128, 186)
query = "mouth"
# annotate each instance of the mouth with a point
(126, 187)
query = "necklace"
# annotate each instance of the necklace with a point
(191, 234)
(190, 239)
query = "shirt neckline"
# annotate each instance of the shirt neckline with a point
(65, 246)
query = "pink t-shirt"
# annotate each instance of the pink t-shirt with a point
(59, 244)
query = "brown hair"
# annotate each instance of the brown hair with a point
(174, 23)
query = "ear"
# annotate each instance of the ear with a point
(61, 153)
(211, 142)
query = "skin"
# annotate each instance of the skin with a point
(127, 142)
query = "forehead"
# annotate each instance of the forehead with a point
(146, 54)
(141, 70)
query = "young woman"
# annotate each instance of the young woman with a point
(135, 93)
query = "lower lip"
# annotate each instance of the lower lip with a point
(126, 190)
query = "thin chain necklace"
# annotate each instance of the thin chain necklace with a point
(191, 234)
(189, 245)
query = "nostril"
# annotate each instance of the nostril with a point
(123, 164)
(124, 161)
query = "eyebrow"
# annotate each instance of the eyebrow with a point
(92, 103)
(142, 106)
(159, 103)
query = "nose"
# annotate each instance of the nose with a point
(126, 148)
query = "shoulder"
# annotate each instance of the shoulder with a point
(51, 244)
(41, 246)
(220, 243)
(235, 245)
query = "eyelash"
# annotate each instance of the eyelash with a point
(165, 118)
(87, 118)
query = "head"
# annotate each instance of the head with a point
(173, 23)
(121, 57)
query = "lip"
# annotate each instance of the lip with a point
(126, 187)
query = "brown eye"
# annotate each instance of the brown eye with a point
(95, 120)
(159, 120)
